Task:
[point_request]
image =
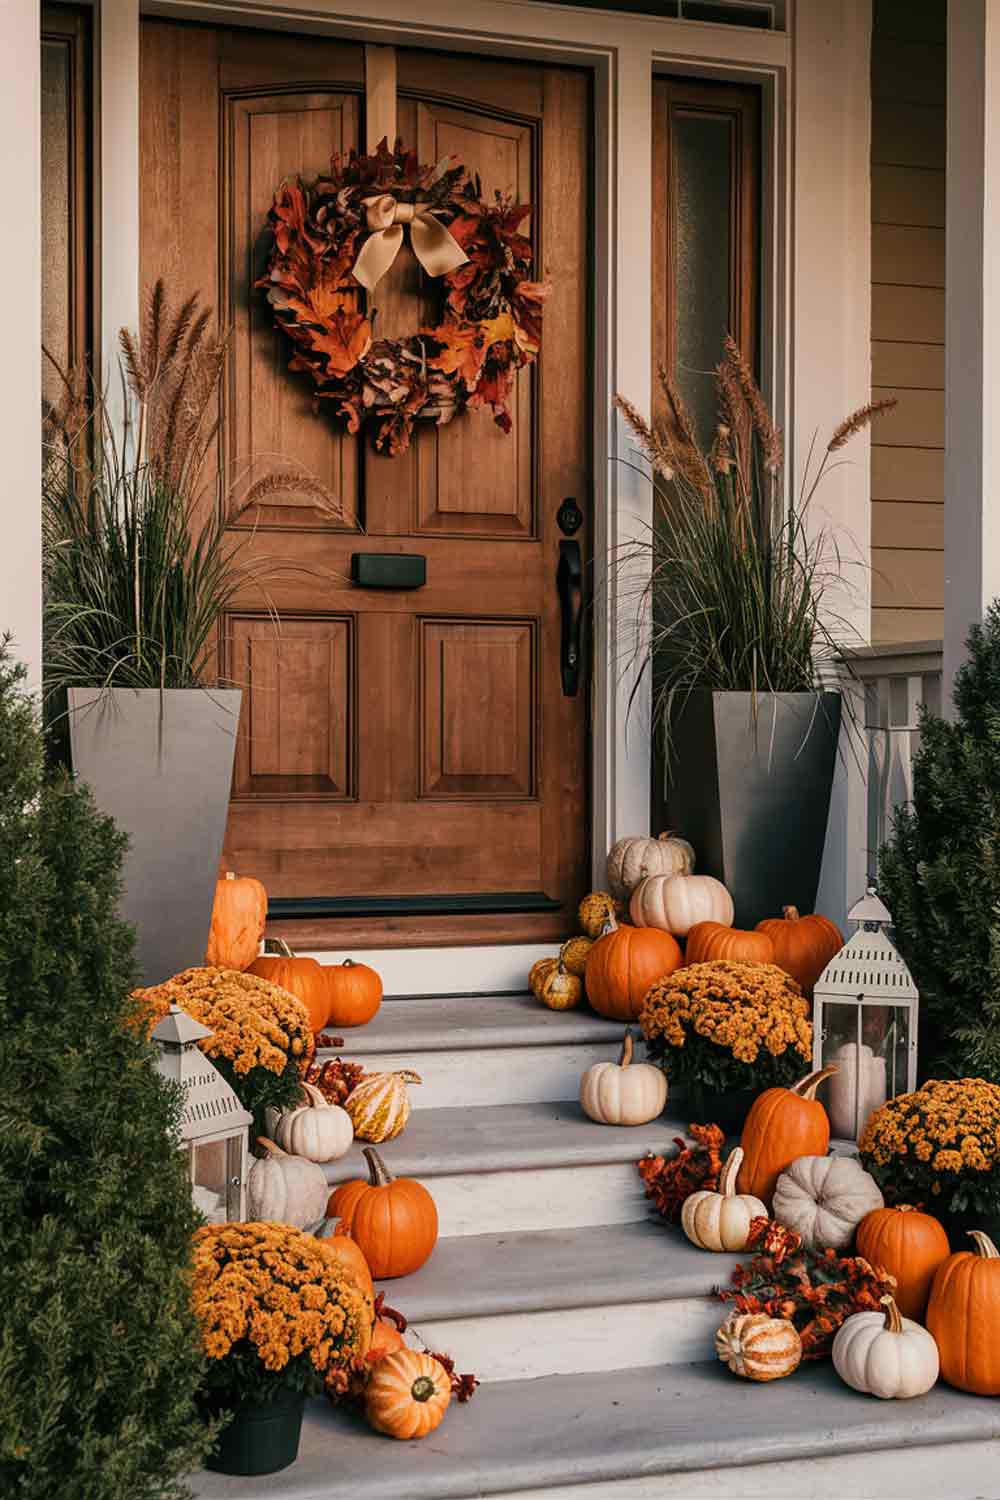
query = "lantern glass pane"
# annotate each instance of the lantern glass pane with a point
(235, 1166)
(841, 1094)
(896, 1051)
(210, 1181)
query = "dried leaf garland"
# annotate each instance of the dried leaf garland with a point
(669, 1182)
(491, 313)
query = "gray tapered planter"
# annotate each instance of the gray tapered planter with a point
(753, 797)
(161, 765)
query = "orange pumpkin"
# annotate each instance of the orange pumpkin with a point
(783, 1124)
(623, 964)
(407, 1394)
(239, 912)
(303, 977)
(387, 1332)
(803, 946)
(963, 1316)
(393, 1219)
(708, 941)
(354, 993)
(909, 1245)
(349, 1255)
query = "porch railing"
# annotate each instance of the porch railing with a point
(897, 680)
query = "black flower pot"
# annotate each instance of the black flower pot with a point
(261, 1438)
(958, 1225)
(727, 1110)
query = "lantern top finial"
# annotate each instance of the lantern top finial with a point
(870, 911)
(179, 1029)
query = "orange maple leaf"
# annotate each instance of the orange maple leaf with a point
(463, 349)
(347, 339)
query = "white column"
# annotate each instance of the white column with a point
(118, 236)
(972, 325)
(20, 367)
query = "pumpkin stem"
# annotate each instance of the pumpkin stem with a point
(279, 944)
(984, 1245)
(230, 874)
(270, 1147)
(728, 1175)
(893, 1320)
(317, 1099)
(790, 913)
(378, 1173)
(408, 1075)
(807, 1086)
(628, 1047)
(422, 1388)
(348, 963)
(610, 925)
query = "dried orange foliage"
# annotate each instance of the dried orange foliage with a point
(669, 1182)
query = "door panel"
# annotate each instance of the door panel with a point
(408, 768)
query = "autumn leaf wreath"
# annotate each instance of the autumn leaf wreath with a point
(333, 239)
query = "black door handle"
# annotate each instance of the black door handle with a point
(569, 583)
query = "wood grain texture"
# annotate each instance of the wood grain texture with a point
(360, 770)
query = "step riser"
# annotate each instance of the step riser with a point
(481, 1076)
(576, 1198)
(578, 1340)
(946, 1471)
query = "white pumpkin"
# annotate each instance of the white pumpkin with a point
(633, 860)
(286, 1189)
(824, 1199)
(721, 1220)
(886, 1355)
(623, 1093)
(318, 1130)
(675, 903)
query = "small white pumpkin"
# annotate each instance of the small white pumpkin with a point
(886, 1355)
(317, 1130)
(824, 1199)
(674, 903)
(623, 1093)
(758, 1347)
(286, 1189)
(633, 860)
(721, 1220)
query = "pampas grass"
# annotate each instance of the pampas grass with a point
(139, 563)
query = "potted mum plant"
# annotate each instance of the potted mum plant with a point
(725, 1031)
(734, 622)
(278, 1315)
(140, 567)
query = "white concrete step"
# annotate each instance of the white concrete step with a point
(479, 1049)
(558, 1302)
(684, 1432)
(520, 1166)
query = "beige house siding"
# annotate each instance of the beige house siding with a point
(908, 170)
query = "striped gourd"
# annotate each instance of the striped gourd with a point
(380, 1105)
(759, 1347)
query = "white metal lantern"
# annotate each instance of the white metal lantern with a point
(865, 1022)
(213, 1123)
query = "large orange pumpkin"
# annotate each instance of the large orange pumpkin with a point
(910, 1245)
(963, 1316)
(303, 977)
(803, 946)
(407, 1394)
(708, 941)
(354, 993)
(239, 912)
(349, 1255)
(783, 1124)
(623, 964)
(393, 1219)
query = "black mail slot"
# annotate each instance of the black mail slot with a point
(388, 570)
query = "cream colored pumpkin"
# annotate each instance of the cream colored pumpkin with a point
(633, 860)
(286, 1189)
(824, 1199)
(317, 1130)
(758, 1347)
(623, 1093)
(721, 1220)
(380, 1105)
(675, 903)
(884, 1354)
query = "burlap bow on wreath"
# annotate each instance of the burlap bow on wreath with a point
(335, 238)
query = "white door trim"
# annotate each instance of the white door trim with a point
(817, 184)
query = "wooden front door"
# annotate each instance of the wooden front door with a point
(409, 767)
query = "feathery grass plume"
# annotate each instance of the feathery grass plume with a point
(729, 587)
(139, 563)
(652, 443)
(858, 420)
